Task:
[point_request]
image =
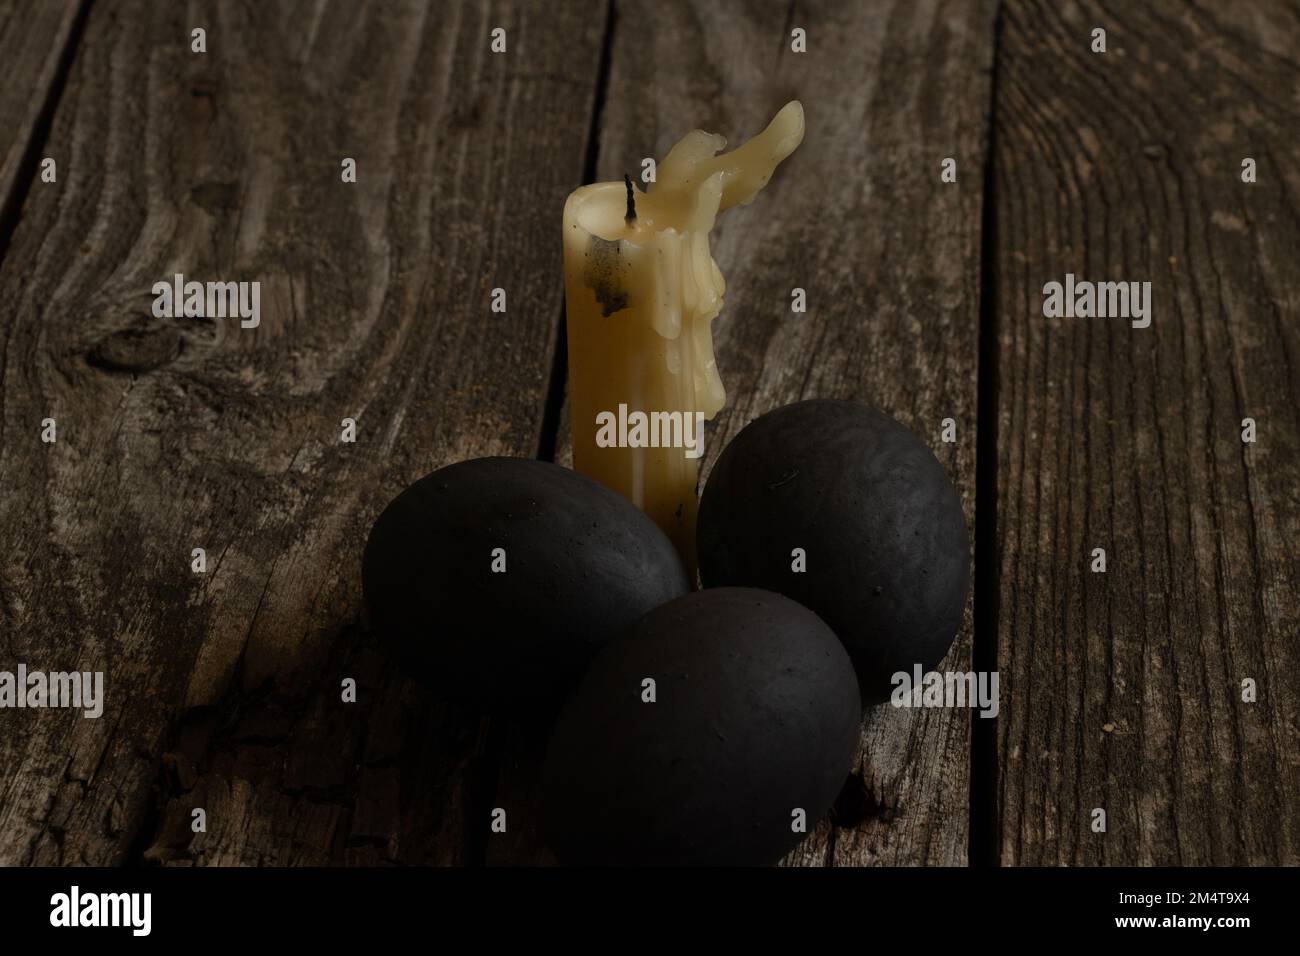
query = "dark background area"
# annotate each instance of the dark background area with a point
(1118, 690)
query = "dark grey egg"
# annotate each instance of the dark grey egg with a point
(496, 580)
(881, 530)
(752, 727)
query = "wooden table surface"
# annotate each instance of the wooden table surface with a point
(1120, 691)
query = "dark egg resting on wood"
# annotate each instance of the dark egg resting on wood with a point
(755, 716)
(580, 563)
(880, 526)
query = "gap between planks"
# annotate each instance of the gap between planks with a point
(984, 829)
(498, 740)
(25, 175)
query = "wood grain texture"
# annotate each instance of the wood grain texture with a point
(889, 257)
(1123, 690)
(34, 38)
(223, 689)
(1119, 690)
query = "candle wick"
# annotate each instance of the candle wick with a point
(631, 201)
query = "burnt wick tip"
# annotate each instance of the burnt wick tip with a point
(631, 199)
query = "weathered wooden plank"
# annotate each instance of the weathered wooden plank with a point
(178, 434)
(889, 257)
(35, 37)
(1123, 690)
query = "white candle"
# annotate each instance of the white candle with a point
(641, 293)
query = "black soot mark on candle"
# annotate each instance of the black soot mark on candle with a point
(604, 275)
